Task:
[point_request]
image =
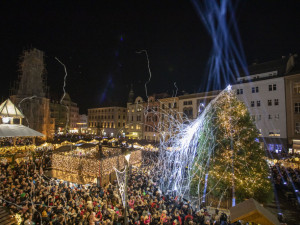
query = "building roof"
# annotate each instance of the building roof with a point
(16, 130)
(251, 211)
(278, 65)
(8, 109)
(200, 95)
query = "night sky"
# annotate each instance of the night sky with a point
(98, 40)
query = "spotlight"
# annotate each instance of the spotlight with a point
(229, 87)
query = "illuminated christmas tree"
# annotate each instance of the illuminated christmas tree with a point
(228, 156)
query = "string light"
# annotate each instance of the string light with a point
(203, 150)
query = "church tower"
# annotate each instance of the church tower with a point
(131, 95)
(32, 70)
(29, 93)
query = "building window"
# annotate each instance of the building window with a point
(297, 107)
(278, 147)
(269, 102)
(258, 117)
(254, 89)
(169, 105)
(175, 105)
(270, 116)
(239, 91)
(276, 102)
(271, 147)
(187, 102)
(252, 103)
(297, 127)
(253, 117)
(123, 124)
(296, 88)
(272, 87)
(257, 103)
(276, 116)
(188, 112)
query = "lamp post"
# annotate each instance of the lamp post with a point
(127, 157)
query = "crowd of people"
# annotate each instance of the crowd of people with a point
(18, 141)
(38, 199)
(287, 179)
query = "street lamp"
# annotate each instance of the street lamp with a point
(127, 157)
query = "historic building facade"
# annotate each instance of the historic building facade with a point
(107, 121)
(151, 122)
(169, 116)
(191, 105)
(66, 115)
(292, 91)
(263, 91)
(135, 119)
(83, 124)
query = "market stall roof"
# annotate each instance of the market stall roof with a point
(16, 130)
(251, 211)
(8, 109)
(87, 145)
(65, 148)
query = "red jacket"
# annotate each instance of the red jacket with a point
(100, 215)
(188, 216)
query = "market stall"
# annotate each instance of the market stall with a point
(251, 211)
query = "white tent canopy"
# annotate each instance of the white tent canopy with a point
(8, 109)
(15, 130)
